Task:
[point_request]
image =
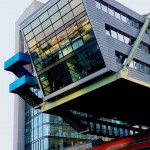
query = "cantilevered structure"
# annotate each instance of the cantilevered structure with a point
(92, 64)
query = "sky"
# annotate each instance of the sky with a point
(10, 10)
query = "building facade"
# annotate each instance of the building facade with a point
(78, 50)
(34, 130)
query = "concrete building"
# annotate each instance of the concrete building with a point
(90, 59)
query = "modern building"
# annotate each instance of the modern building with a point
(91, 66)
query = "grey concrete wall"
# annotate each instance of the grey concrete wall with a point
(19, 104)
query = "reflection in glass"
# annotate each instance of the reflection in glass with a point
(37, 30)
(65, 10)
(35, 23)
(78, 10)
(43, 17)
(62, 3)
(46, 24)
(29, 36)
(55, 17)
(58, 24)
(48, 31)
(52, 10)
(27, 29)
(68, 17)
(74, 3)
(31, 43)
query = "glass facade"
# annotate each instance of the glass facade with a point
(49, 132)
(63, 49)
(62, 45)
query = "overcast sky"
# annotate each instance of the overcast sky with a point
(10, 10)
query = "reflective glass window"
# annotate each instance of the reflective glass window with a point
(123, 18)
(78, 10)
(46, 24)
(62, 35)
(44, 16)
(104, 8)
(31, 43)
(81, 22)
(85, 29)
(53, 10)
(114, 34)
(117, 15)
(74, 36)
(108, 32)
(68, 17)
(55, 17)
(27, 29)
(127, 40)
(98, 5)
(37, 30)
(64, 42)
(40, 36)
(111, 11)
(72, 28)
(78, 43)
(120, 37)
(58, 24)
(62, 3)
(88, 36)
(48, 31)
(52, 41)
(74, 3)
(35, 23)
(29, 36)
(65, 10)
(67, 50)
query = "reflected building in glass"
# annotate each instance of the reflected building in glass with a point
(76, 49)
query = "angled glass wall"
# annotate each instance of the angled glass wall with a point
(62, 45)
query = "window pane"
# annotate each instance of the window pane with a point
(111, 11)
(120, 37)
(84, 20)
(62, 3)
(117, 15)
(88, 36)
(40, 37)
(27, 29)
(31, 43)
(78, 10)
(62, 35)
(37, 30)
(29, 36)
(68, 17)
(104, 8)
(55, 17)
(123, 18)
(127, 40)
(44, 16)
(85, 29)
(74, 36)
(74, 3)
(114, 34)
(46, 24)
(48, 31)
(98, 5)
(52, 10)
(67, 50)
(58, 24)
(35, 23)
(65, 10)
(108, 32)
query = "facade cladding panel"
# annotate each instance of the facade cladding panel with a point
(69, 40)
